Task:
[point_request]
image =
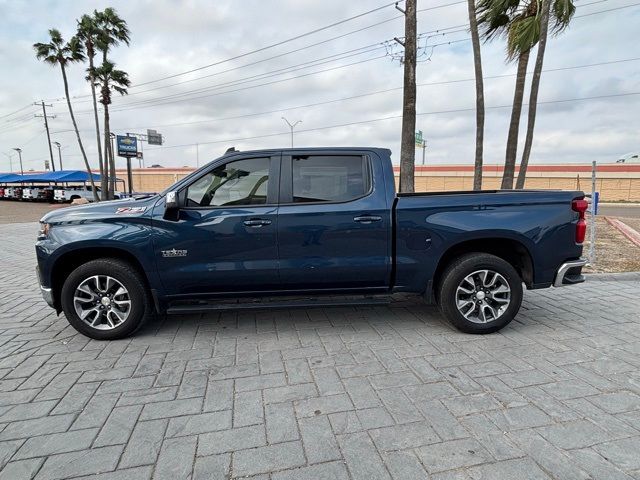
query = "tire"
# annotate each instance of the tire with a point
(107, 316)
(496, 308)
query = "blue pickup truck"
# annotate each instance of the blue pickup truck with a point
(318, 226)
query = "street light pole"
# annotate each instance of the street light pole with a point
(57, 144)
(291, 126)
(19, 150)
(8, 155)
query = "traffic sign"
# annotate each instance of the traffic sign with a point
(153, 137)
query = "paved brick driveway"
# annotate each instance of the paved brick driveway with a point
(366, 393)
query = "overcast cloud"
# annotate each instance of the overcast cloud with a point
(170, 37)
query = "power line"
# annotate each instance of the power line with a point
(18, 125)
(17, 111)
(297, 37)
(267, 47)
(393, 117)
(272, 73)
(165, 100)
(378, 92)
(162, 101)
(169, 99)
(278, 55)
(605, 11)
(440, 31)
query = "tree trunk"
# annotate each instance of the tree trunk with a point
(533, 96)
(512, 140)
(75, 127)
(408, 142)
(107, 151)
(103, 181)
(477, 63)
(112, 168)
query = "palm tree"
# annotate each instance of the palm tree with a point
(108, 78)
(61, 53)
(113, 30)
(563, 12)
(519, 21)
(477, 63)
(88, 31)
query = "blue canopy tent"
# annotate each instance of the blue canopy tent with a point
(61, 176)
(10, 178)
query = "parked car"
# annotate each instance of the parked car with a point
(13, 193)
(69, 194)
(33, 193)
(45, 194)
(2, 192)
(300, 223)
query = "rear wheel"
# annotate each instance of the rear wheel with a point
(480, 293)
(105, 299)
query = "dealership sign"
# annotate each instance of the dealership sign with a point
(127, 146)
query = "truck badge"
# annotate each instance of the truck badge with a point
(130, 210)
(174, 253)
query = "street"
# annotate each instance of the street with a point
(620, 210)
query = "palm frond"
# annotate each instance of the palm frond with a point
(494, 17)
(524, 33)
(561, 14)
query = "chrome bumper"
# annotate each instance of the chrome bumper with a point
(47, 293)
(561, 275)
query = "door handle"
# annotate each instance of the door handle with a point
(367, 219)
(257, 222)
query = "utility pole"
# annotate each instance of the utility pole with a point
(292, 126)
(19, 150)
(46, 126)
(8, 155)
(57, 144)
(407, 144)
(424, 151)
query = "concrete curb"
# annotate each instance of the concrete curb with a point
(613, 277)
(625, 229)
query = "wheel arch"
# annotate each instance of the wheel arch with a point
(510, 250)
(70, 260)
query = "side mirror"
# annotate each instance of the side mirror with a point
(171, 200)
(171, 205)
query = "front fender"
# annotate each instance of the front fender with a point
(97, 239)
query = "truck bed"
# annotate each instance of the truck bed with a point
(538, 223)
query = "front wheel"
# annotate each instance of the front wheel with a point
(105, 299)
(480, 293)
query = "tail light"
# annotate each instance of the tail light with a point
(580, 206)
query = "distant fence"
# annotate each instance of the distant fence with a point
(616, 182)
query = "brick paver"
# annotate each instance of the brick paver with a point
(389, 392)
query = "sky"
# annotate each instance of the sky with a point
(343, 82)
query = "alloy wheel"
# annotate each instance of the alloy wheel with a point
(102, 302)
(483, 296)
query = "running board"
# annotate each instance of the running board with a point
(275, 304)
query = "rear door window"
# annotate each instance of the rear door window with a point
(329, 178)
